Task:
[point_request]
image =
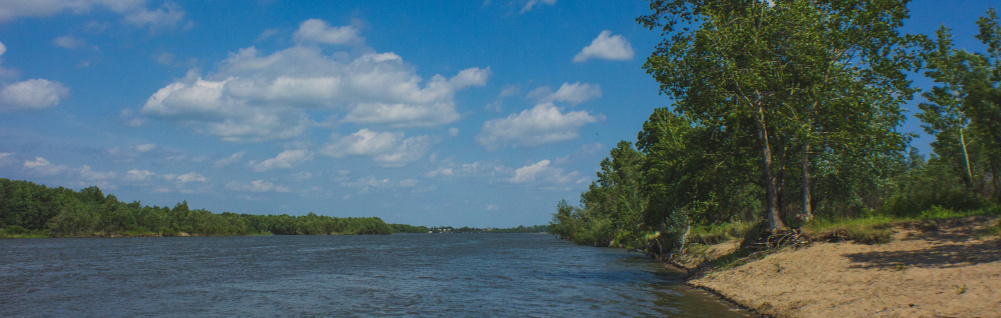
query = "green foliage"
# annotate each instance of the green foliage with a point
(31, 210)
(406, 228)
(963, 111)
(719, 233)
(794, 105)
(612, 209)
(786, 78)
(928, 184)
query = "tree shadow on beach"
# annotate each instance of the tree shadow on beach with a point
(955, 247)
(942, 256)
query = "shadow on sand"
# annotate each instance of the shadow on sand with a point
(954, 246)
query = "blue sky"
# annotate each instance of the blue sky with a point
(462, 113)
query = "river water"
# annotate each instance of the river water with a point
(408, 275)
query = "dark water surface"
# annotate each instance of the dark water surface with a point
(455, 275)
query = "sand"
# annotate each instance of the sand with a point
(944, 272)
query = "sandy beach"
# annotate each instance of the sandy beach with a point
(945, 270)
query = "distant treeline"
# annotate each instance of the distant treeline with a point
(519, 229)
(403, 228)
(31, 210)
(407, 228)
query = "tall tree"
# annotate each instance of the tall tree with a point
(964, 108)
(788, 72)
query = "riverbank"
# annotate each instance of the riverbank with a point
(945, 268)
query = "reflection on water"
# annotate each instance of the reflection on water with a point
(392, 275)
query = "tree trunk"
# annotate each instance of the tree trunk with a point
(807, 204)
(684, 238)
(768, 179)
(780, 176)
(966, 156)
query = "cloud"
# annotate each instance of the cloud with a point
(266, 34)
(475, 169)
(366, 183)
(6, 158)
(43, 166)
(469, 77)
(606, 46)
(542, 124)
(254, 97)
(87, 173)
(440, 171)
(387, 149)
(186, 178)
(138, 175)
(145, 147)
(531, 3)
(69, 42)
(316, 30)
(285, 160)
(32, 8)
(168, 15)
(408, 183)
(229, 160)
(32, 94)
(302, 175)
(573, 94)
(542, 172)
(256, 186)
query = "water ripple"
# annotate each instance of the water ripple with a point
(345, 276)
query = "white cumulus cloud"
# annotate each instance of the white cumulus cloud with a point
(316, 30)
(542, 124)
(542, 172)
(186, 178)
(145, 147)
(256, 97)
(606, 46)
(285, 160)
(43, 166)
(387, 149)
(69, 42)
(135, 12)
(256, 186)
(10, 9)
(573, 94)
(167, 16)
(229, 160)
(32, 94)
(138, 175)
(87, 173)
(531, 3)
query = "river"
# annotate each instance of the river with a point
(408, 275)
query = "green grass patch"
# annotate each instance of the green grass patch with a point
(868, 230)
(877, 229)
(719, 233)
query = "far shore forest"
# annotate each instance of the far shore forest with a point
(784, 119)
(29, 210)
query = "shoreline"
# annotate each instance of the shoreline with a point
(949, 269)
